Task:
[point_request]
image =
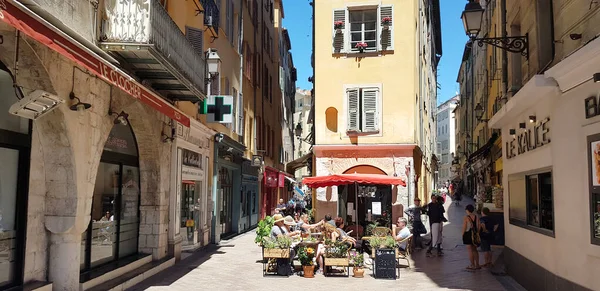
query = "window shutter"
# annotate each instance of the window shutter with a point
(195, 37)
(352, 95)
(386, 36)
(370, 118)
(339, 39)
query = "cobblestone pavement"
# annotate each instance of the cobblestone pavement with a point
(234, 265)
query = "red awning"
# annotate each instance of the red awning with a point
(188, 182)
(345, 179)
(29, 23)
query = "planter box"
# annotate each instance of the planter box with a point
(337, 262)
(276, 253)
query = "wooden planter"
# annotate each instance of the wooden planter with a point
(338, 262)
(276, 253)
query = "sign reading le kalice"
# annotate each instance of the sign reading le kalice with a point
(42, 31)
(529, 139)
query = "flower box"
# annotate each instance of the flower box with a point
(276, 253)
(337, 262)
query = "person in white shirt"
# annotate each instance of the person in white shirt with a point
(401, 232)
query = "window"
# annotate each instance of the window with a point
(363, 109)
(593, 150)
(365, 25)
(363, 28)
(531, 202)
(236, 108)
(240, 114)
(270, 89)
(230, 28)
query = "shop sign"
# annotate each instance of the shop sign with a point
(191, 173)
(257, 161)
(281, 180)
(530, 139)
(271, 179)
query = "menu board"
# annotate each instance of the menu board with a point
(385, 264)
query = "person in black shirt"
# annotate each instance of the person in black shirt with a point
(435, 211)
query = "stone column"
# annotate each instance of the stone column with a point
(64, 261)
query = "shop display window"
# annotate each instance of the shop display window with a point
(531, 202)
(596, 216)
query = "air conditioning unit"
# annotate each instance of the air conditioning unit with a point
(36, 105)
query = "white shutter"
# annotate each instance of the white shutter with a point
(386, 36)
(339, 39)
(370, 118)
(353, 107)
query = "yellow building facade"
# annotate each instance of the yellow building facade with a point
(374, 102)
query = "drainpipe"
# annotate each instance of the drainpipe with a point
(504, 52)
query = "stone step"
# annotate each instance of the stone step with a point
(113, 270)
(33, 286)
(136, 276)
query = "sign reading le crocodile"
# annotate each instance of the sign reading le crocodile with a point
(218, 109)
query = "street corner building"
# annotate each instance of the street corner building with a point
(374, 105)
(88, 151)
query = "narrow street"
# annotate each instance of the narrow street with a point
(234, 265)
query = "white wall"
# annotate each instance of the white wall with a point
(569, 254)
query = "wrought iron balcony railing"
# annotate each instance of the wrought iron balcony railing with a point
(145, 36)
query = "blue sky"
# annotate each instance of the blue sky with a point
(298, 21)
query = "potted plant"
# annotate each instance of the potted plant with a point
(336, 253)
(386, 21)
(361, 46)
(305, 256)
(264, 229)
(338, 25)
(358, 262)
(276, 248)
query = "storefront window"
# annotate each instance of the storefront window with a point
(9, 159)
(531, 202)
(114, 227)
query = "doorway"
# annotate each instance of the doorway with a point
(226, 188)
(114, 225)
(372, 204)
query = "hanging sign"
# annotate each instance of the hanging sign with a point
(281, 180)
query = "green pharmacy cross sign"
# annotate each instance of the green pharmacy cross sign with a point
(218, 109)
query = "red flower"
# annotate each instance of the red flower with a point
(386, 20)
(338, 24)
(361, 45)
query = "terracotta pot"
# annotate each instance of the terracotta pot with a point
(358, 272)
(309, 271)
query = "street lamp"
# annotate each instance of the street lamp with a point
(298, 131)
(479, 113)
(213, 62)
(472, 17)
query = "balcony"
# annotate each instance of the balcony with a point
(143, 35)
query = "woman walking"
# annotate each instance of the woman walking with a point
(471, 236)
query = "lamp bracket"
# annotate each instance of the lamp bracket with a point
(513, 44)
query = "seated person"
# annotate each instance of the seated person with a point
(401, 232)
(279, 228)
(339, 223)
(329, 232)
(305, 226)
(284, 266)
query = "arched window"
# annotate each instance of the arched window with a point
(114, 226)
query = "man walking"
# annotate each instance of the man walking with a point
(435, 211)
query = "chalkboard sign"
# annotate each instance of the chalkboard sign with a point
(385, 263)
